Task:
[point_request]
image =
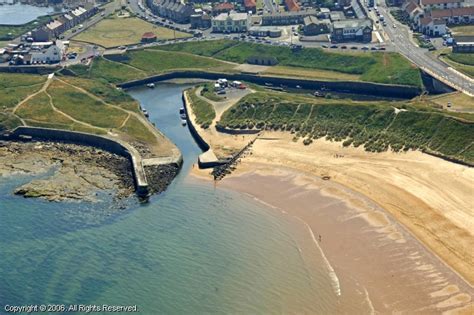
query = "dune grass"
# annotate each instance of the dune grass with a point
(203, 111)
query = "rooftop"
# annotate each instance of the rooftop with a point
(232, 15)
(353, 23)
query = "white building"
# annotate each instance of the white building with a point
(52, 54)
(231, 22)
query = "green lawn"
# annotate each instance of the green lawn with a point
(113, 32)
(204, 111)
(380, 67)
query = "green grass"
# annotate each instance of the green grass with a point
(203, 111)
(380, 67)
(9, 32)
(393, 68)
(15, 87)
(104, 90)
(84, 108)
(8, 121)
(204, 48)
(39, 109)
(208, 92)
(465, 59)
(135, 128)
(371, 124)
(114, 72)
(155, 61)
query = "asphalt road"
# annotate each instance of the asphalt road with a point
(402, 39)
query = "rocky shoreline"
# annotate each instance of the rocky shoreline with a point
(69, 171)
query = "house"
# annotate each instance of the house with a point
(264, 31)
(286, 18)
(314, 26)
(336, 16)
(292, 5)
(231, 22)
(48, 54)
(224, 7)
(250, 6)
(323, 13)
(414, 11)
(200, 21)
(174, 10)
(359, 30)
(463, 15)
(440, 4)
(432, 27)
(463, 44)
(148, 37)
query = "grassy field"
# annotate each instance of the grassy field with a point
(204, 111)
(466, 59)
(102, 89)
(9, 32)
(113, 32)
(310, 73)
(84, 108)
(71, 103)
(371, 66)
(15, 87)
(459, 101)
(463, 30)
(461, 62)
(375, 125)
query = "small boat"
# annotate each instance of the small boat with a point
(183, 122)
(151, 85)
(298, 86)
(181, 111)
(145, 112)
(183, 116)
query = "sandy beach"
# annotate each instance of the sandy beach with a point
(400, 225)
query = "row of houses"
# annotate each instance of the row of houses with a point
(174, 10)
(431, 17)
(55, 28)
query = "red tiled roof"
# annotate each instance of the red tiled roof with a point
(426, 20)
(250, 3)
(436, 14)
(149, 35)
(224, 6)
(292, 5)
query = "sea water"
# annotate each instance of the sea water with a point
(19, 13)
(194, 249)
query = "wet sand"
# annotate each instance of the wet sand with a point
(379, 264)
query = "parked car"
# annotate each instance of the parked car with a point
(324, 46)
(343, 47)
(354, 47)
(333, 46)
